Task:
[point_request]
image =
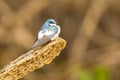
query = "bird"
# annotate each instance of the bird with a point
(48, 32)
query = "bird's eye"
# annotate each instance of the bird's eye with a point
(52, 22)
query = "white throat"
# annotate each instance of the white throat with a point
(52, 24)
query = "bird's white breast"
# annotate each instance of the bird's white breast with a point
(46, 33)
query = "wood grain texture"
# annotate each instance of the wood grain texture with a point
(32, 60)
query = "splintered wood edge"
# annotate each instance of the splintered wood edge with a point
(32, 60)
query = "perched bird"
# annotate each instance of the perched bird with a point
(49, 31)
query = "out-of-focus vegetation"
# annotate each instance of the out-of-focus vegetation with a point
(91, 28)
(99, 73)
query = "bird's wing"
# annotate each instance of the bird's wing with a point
(41, 33)
(41, 41)
(42, 38)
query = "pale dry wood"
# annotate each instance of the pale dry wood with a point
(32, 60)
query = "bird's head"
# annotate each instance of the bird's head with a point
(51, 22)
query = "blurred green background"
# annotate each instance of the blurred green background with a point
(90, 27)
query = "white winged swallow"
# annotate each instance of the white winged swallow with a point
(49, 31)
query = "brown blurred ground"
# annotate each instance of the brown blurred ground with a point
(91, 27)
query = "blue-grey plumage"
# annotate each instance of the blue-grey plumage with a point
(49, 31)
(47, 23)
